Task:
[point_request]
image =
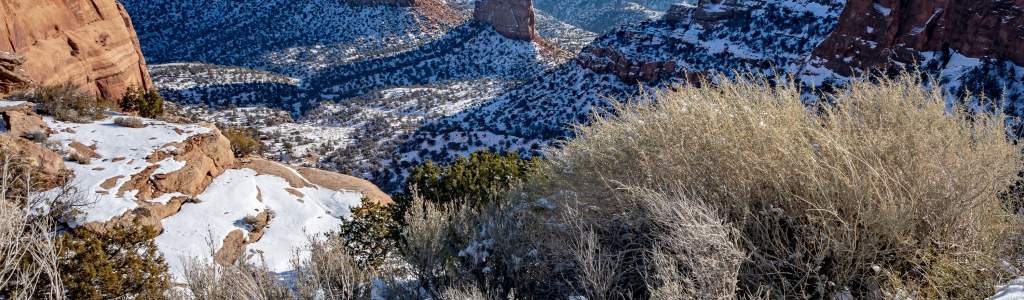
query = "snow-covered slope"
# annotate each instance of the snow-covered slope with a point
(604, 15)
(280, 36)
(237, 194)
(182, 178)
(120, 153)
(355, 79)
(763, 37)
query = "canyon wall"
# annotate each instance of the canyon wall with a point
(89, 42)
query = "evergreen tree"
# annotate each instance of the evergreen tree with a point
(122, 263)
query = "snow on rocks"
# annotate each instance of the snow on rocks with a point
(178, 173)
(297, 213)
(122, 152)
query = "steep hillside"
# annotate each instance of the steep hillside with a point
(381, 69)
(763, 37)
(602, 16)
(295, 38)
(91, 43)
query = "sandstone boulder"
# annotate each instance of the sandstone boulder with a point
(21, 119)
(266, 167)
(49, 164)
(89, 42)
(232, 248)
(205, 156)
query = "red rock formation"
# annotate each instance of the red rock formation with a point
(873, 33)
(89, 42)
(514, 19)
(610, 61)
(12, 75)
(15, 121)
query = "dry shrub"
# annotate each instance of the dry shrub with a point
(696, 255)
(331, 272)
(66, 102)
(886, 190)
(208, 281)
(244, 141)
(463, 293)
(130, 122)
(22, 240)
(79, 158)
(667, 246)
(424, 245)
(28, 257)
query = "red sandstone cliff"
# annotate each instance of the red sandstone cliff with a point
(89, 42)
(513, 19)
(873, 33)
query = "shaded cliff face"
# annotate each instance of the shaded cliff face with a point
(514, 19)
(89, 42)
(875, 33)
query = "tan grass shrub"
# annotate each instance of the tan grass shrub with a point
(28, 247)
(424, 245)
(206, 280)
(463, 293)
(697, 255)
(885, 180)
(130, 122)
(66, 102)
(331, 272)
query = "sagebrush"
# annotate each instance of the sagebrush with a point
(885, 191)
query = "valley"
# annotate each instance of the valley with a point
(476, 149)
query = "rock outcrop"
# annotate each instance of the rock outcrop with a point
(878, 34)
(513, 19)
(88, 42)
(610, 61)
(16, 122)
(336, 181)
(21, 120)
(12, 75)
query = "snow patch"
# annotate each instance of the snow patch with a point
(122, 152)
(240, 193)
